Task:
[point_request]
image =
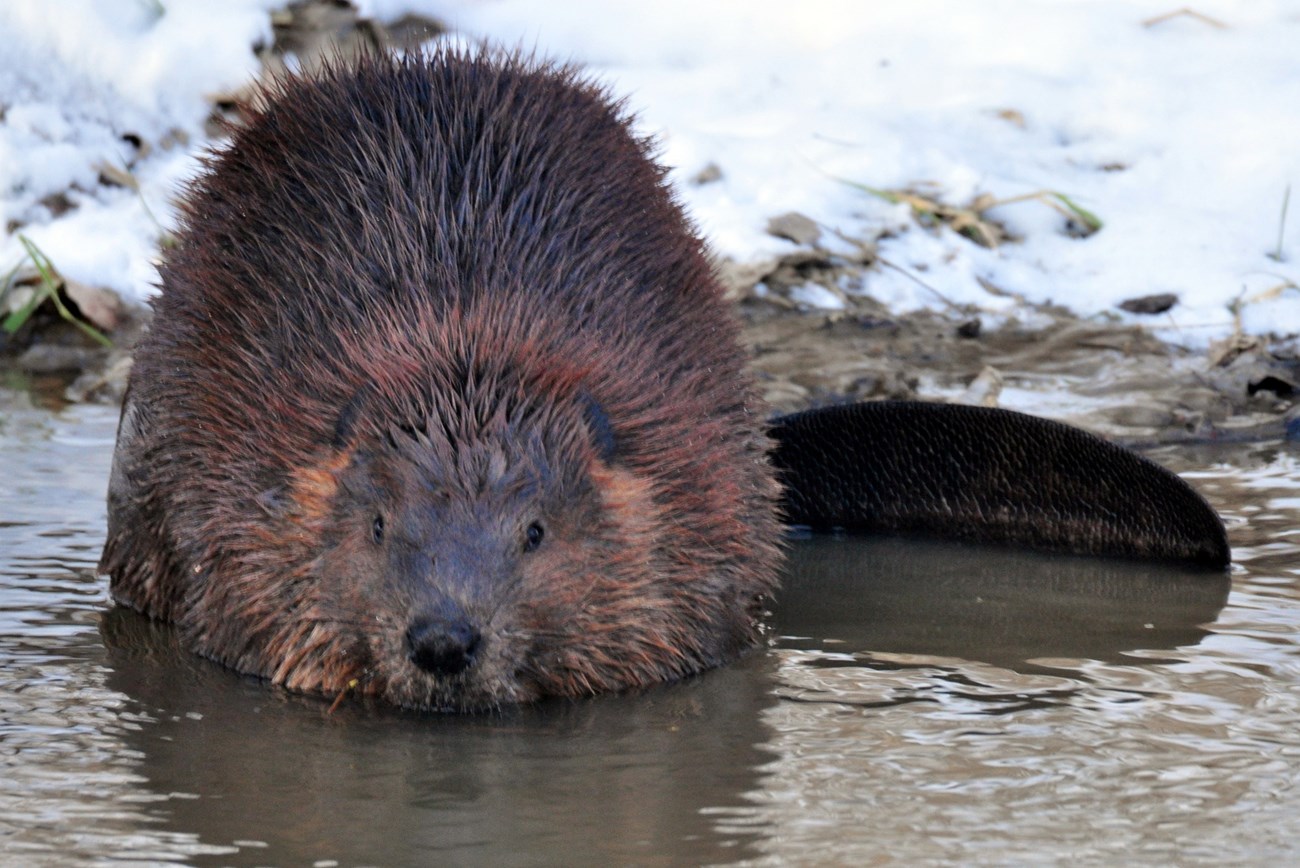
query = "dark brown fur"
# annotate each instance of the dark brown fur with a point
(418, 308)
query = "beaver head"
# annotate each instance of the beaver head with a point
(486, 540)
(463, 549)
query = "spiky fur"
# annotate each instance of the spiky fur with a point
(418, 276)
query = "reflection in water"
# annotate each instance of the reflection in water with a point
(1055, 725)
(921, 702)
(903, 596)
(614, 780)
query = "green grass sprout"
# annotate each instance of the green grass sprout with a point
(48, 289)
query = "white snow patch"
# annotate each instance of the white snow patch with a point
(816, 295)
(78, 80)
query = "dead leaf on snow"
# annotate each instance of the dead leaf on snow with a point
(1225, 352)
(795, 227)
(101, 307)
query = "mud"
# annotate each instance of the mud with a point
(1118, 380)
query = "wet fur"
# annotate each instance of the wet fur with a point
(459, 283)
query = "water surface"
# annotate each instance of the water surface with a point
(919, 702)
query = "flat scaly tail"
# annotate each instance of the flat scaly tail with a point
(988, 475)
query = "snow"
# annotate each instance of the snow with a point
(816, 295)
(78, 76)
(1182, 136)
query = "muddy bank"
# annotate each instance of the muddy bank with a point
(1117, 380)
(58, 362)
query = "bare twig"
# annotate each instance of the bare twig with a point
(1276, 255)
(1185, 12)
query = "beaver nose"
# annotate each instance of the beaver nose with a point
(442, 647)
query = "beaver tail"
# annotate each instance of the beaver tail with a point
(987, 475)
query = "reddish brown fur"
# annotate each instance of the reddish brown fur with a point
(417, 308)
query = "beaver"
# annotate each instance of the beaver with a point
(443, 404)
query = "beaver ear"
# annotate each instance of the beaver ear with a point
(602, 430)
(346, 424)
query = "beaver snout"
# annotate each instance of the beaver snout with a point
(443, 645)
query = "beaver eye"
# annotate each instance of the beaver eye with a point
(377, 529)
(533, 537)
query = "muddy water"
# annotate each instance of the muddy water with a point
(919, 703)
